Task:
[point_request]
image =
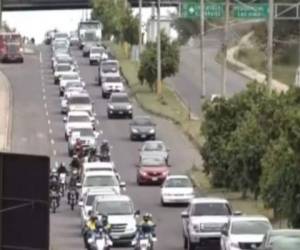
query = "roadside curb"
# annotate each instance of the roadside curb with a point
(6, 108)
(249, 72)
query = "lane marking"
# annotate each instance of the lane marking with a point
(47, 113)
(97, 122)
(44, 97)
(49, 122)
(44, 90)
(41, 57)
(52, 142)
(54, 152)
(45, 105)
(50, 131)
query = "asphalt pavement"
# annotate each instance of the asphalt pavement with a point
(38, 128)
(187, 81)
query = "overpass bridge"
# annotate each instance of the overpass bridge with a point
(17, 5)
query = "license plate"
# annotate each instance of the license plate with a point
(120, 112)
(143, 136)
(154, 179)
(116, 236)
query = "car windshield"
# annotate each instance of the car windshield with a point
(153, 147)
(12, 48)
(90, 199)
(250, 227)
(178, 183)
(65, 60)
(79, 119)
(113, 79)
(142, 121)
(86, 132)
(79, 100)
(70, 77)
(63, 68)
(210, 209)
(75, 84)
(153, 161)
(109, 67)
(120, 99)
(97, 50)
(101, 181)
(61, 35)
(283, 242)
(115, 207)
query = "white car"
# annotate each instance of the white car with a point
(96, 54)
(69, 93)
(100, 166)
(62, 69)
(154, 149)
(80, 102)
(101, 179)
(76, 119)
(244, 232)
(112, 84)
(87, 200)
(86, 135)
(121, 216)
(69, 77)
(177, 189)
(108, 68)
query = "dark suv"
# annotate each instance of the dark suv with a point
(119, 105)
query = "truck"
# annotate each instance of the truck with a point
(89, 26)
(11, 47)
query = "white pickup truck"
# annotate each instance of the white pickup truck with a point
(112, 84)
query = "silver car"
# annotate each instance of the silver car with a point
(154, 149)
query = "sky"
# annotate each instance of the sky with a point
(36, 23)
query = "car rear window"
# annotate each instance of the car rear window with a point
(210, 209)
(63, 68)
(79, 100)
(120, 99)
(250, 227)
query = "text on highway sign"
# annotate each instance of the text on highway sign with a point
(192, 10)
(251, 11)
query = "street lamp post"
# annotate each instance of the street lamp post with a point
(140, 27)
(158, 84)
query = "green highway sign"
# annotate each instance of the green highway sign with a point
(251, 11)
(192, 10)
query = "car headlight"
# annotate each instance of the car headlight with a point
(143, 173)
(134, 130)
(165, 173)
(152, 131)
(131, 228)
(196, 228)
(234, 244)
(129, 107)
(167, 194)
(110, 106)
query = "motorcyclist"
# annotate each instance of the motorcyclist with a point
(62, 169)
(146, 226)
(79, 148)
(54, 186)
(74, 179)
(104, 148)
(106, 227)
(93, 155)
(75, 163)
(89, 229)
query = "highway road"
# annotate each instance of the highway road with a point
(187, 81)
(38, 128)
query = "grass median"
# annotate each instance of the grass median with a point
(168, 105)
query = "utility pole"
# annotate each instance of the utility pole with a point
(158, 84)
(225, 47)
(140, 28)
(270, 44)
(202, 56)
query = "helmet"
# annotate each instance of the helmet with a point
(147, 217)
(94, 217)
(104, 141)
(62, 164)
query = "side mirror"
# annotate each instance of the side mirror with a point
(237, 213)
(80, 203)
(65, 119)
(184, 215)
(137, 212)
(123, 184)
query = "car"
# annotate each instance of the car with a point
(85, 134)
(62, 69)
(101, 179)
(13, 53)
(112, 84)
(142, 127)
(76, 119)
(87, 200)
(100, 166)
(96, 54)
(87, 47)
(121, 216)
(108, 68)
(60, 46)
(63, 58)
(64, 79)
(177, 189)
(119, 105)
(281, 239)
(152, 170)
(154, 149)
(80, 102)
(244, 232)
(68, 94)
(74, 39)
(203, 221)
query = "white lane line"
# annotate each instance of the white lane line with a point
(52, 142)
(54, 152)
(41, 57)
(50, 131)
(97, 122)
(45, 105)
(44, 90)
(56, 164)
(44, 97)
(49, 122)
(47, 113)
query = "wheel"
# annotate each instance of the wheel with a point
(91, 63)
(109, 115)
(61, 93)
(131, 137)
(66, 137)
(130, 116)
(138, 181)
(185, 242)
(72, 206)
(103, 95)
(190, 245)
(70, 152)
(162, 202)
(153, 137)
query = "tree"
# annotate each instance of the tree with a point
(130, 27)
(169, 60)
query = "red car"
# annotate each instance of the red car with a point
(152, 170)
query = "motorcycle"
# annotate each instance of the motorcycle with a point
(145, 242)
(105, 156)
(99, 241)
(54, 201)
(62, 183)
(73, 198)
